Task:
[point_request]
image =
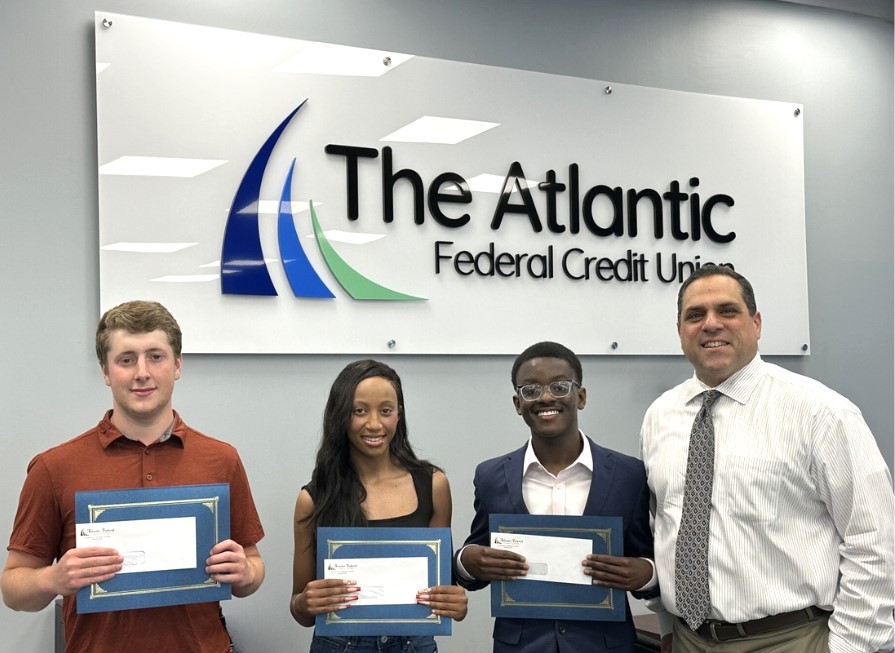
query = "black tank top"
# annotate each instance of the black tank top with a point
(419, 518)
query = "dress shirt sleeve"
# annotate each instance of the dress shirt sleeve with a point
(854, 483)
(639, 538)
(654, 579)
(663, 616)
(460, 569)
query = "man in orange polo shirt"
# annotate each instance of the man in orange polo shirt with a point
(141, 443)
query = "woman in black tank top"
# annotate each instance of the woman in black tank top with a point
(366, 474)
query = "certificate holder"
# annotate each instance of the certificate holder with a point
(524, 599)
(209, 505)
(433, 544)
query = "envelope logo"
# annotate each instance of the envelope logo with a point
(87, 532)
(336, 566)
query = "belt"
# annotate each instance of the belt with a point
(721, 631)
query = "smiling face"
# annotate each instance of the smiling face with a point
(548, 417)
(718, 336)
(374, 417)
(141, 369)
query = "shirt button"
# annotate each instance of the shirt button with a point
(383, 639)
(146, 451)
(149, 477)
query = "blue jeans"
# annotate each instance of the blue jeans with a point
(374, 644)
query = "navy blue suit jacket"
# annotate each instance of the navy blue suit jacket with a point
(618, 489)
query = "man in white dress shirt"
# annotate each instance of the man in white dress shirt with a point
(800, 542)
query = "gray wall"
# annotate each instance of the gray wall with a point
(840, 66)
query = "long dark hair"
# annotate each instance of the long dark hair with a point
(338, 492)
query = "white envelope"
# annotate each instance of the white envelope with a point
(146, 544)
(555, 559)
(382, 581)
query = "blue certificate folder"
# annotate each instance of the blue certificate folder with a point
(524, 599)
(209, 504)
(434, 544)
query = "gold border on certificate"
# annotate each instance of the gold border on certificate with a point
(434, 545)
(603, 533)
(95, 510)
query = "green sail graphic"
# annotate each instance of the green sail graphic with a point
(352, 281)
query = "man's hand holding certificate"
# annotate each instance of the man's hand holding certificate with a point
(556, 559)
(558, 552)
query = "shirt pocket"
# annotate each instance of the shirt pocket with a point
(750, 487)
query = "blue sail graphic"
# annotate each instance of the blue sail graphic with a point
(243, 270)
(303, 279)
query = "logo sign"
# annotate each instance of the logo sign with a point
(287, 196)
(242, 264)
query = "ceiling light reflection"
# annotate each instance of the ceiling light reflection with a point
(349, 237)
(217, 264)
(488, 183)
(272, 207)
(147, 248)
(434, 129)
(330, 59)
(187, 278)
(159, 166)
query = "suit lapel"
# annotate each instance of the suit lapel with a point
(512, 468)
(600, 484)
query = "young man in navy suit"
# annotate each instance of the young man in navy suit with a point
(559, 471)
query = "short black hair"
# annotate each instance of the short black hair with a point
(547, 349)
(714, 270)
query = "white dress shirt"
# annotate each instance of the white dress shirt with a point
(563, 494)
(801, 494)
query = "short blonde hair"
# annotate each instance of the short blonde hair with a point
(137, 317)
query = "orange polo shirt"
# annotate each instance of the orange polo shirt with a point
(103, 459)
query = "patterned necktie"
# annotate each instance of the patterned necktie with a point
(691, 564)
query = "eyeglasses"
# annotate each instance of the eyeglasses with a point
(558, 389)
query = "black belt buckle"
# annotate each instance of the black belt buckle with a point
(740, 632)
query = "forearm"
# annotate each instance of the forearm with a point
(478, 536)
(257, 566)
(843, 643)
(480, 528)
(25, 589)
(465, 579)
(663, 616)
(862, 610)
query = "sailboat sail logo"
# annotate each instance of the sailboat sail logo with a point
(243, 268)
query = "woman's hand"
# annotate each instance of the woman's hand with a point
(323, 596)
(445, 601)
